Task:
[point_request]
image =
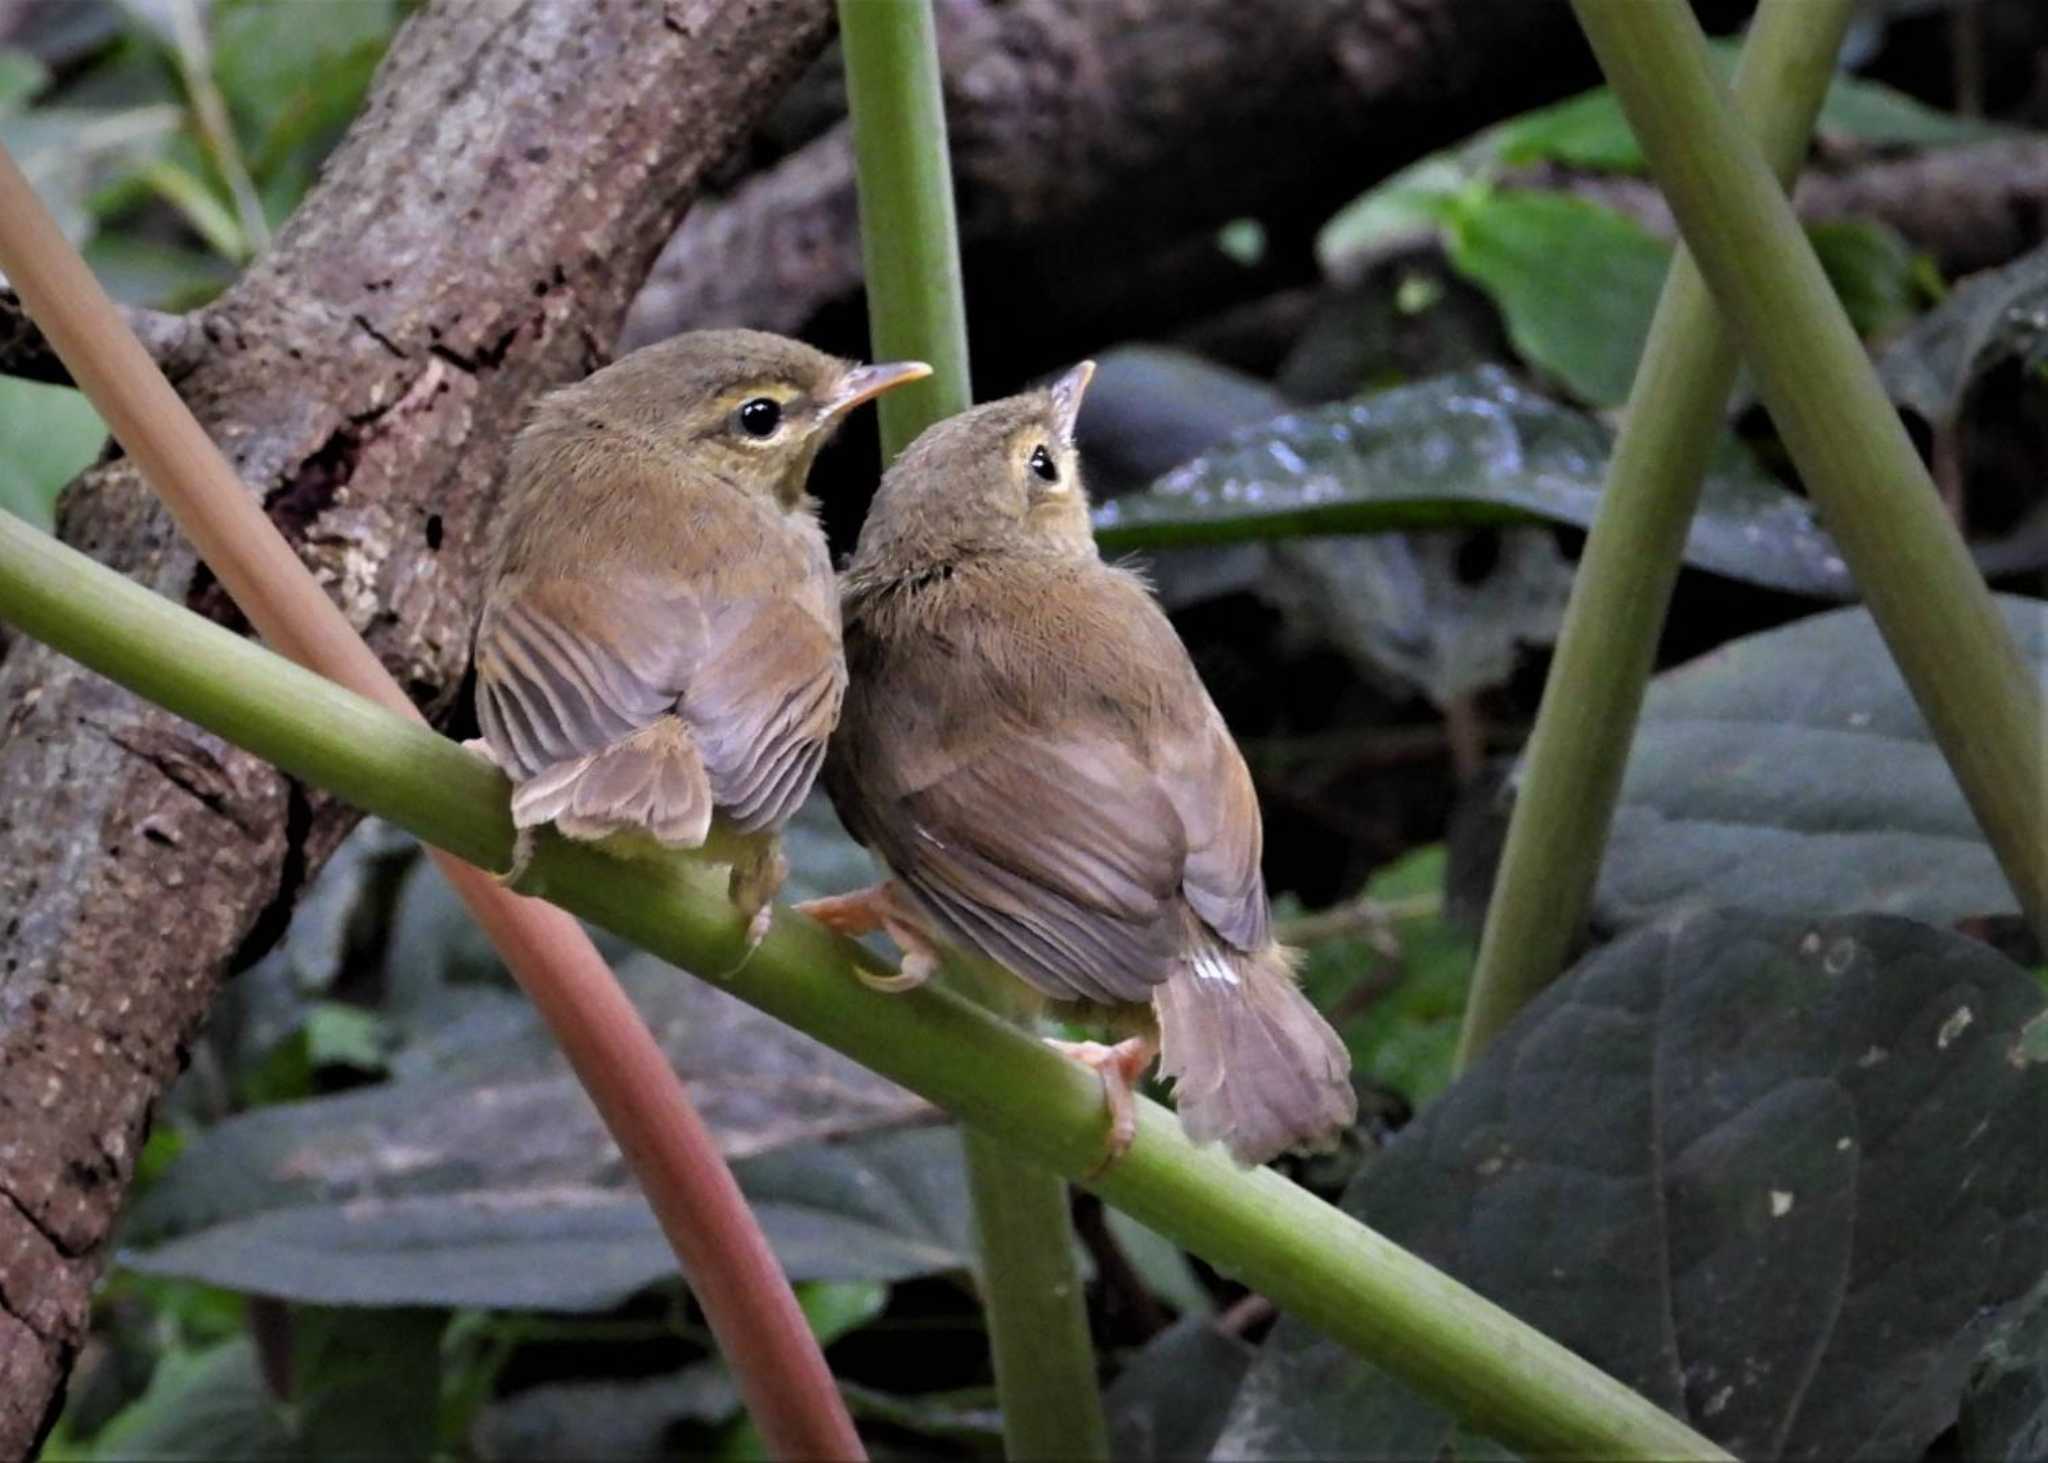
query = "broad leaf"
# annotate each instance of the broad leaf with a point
(1406, 1036)
(210, 1404)
(1576, 281)
(1791, 772)
(1589, 131)
(1462, 450)
(888, 1207)
(1171, 1398)
(1874, 271)
(1418, 610)
(615, 1420)
(48, 435)
(1779, 1176)
(483, 1176)
(1998, 316)
(2005, 1413)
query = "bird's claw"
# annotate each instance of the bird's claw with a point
(1119, 1067)
(880, 907)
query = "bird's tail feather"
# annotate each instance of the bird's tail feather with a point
(1254, 1065)
(651, 783)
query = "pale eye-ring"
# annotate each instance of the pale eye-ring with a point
(760, 417)
(1042, 464)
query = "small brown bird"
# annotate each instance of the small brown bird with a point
(1028, 748)
(658, 658)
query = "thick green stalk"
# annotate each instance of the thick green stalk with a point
(1038, 1319)
(1622, 589)
(909, 245)
(1928, 599)
(1450, 1344)
(1031, 1291)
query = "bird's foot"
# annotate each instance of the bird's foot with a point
(881, 907)
(1119, 1067)
(757, 875)
(522, 841)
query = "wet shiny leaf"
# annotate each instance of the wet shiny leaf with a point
(1463, 450)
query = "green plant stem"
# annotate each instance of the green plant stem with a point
(1937, 617)
(909, 245)
(1622, 589)
(1452, 1345)
(1030, 1288)
(1045, 1362)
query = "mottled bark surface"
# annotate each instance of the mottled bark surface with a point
(474, 240)
(1089, 135)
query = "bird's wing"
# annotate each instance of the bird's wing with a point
(1203, 776)
(1058, 830)
(1058, 858)
(568, 668)
(762, 704)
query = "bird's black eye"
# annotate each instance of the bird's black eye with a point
(760, 417)
(1044, 466)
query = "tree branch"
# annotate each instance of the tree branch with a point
(1078, 201)
(1970, 207)
(1087, 135)
(169, 339)
(475, 240)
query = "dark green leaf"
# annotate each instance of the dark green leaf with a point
(1872, 269)
(1172, 1397)
(969, 1414)
(1577, 282)
(835, 1307)
(1160, 1263)
(155, 274)
(884, 1208)
(889, 1207)
(483, 1176)
(290, 70)
(209, 1404)
(1998, 316)
(21, 77)
(1777, 1175)
(48, 435)
(2005, 1412)
(1791, 772)
(1412, 611)
(1405, 1036)
(1473, 448)
(1589, 131)
(1874, 115)
(613, 1420)
(68, 152)
(1586, 131)
(366, 1383)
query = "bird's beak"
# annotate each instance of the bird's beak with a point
(1066, 399)
(865, 383)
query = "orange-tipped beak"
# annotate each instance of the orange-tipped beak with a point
(865, 383)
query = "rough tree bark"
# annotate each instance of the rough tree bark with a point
(1086, 135)
(475, 239)
(1094, 144)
